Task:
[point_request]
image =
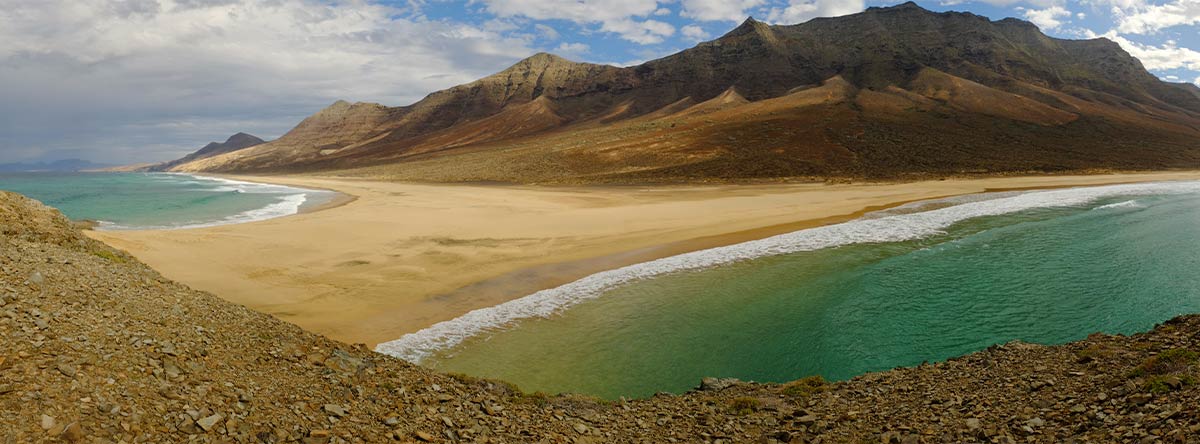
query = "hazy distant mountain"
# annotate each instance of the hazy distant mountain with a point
(889, 92)
(65, 165)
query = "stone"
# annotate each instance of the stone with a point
(423, 436)
(580, 428)
(171, 370)
(335, 410)
(209, 422)
(392, 421)
(342, 362)
(73, 433)
(1035, 422)
(66, 369)
(320, 434)
(717, 384)
(37, 278)
(974, 424)
(47, 422)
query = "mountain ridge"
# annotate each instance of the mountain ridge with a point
(1086, 93)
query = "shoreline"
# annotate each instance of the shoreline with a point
(344, 292)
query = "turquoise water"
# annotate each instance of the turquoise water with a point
(1057, 268)
(160, 200)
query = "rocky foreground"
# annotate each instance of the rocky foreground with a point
(96, 347)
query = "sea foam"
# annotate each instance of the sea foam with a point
(894, 226)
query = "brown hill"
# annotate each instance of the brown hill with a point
(95, 347)
(235, 142)
(890, 92)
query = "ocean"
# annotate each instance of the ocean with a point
(136, 201)
(920, 283)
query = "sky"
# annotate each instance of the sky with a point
(125, 81)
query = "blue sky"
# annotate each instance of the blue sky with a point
(122, 81)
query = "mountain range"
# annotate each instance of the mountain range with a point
(888, 93)
(58, 166)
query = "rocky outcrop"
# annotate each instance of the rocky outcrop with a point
(96, 347)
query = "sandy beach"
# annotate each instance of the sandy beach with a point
(400, 257)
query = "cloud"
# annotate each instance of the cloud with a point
(718, 10)
(1048, 19)
(75, 74)
(1158, 57)
(616, 16)
(797, 11)
(694, 33)
(572, 49)
(1149, 19)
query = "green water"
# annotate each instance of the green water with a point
(148, 200)
(1048, 275)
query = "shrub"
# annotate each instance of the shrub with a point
(744, 405)
(803, 388)
(1176, 360)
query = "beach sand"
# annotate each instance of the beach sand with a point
(401, 257)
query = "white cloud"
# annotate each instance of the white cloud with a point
(616, 16)
(718, 10)
(1161, 57)
(547, 32)
(101, 67)
(1149, 19)
(1197, 82)
(694, 33)
(572, 49)
(1048, 19)
(798, 11)
(644, 32)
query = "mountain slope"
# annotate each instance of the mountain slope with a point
(906, 92)
(235, 142)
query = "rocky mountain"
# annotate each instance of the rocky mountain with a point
(887, 93)
(235, 142)
(96, 347)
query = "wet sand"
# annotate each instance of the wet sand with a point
(399, 257)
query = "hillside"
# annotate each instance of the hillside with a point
(235, 142)
(96, 347)
(887, 93)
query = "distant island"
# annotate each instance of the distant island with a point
(65, 165)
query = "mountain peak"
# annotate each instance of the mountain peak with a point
(243, 139)
(537, 63)
(906, 6)
(752, 27)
